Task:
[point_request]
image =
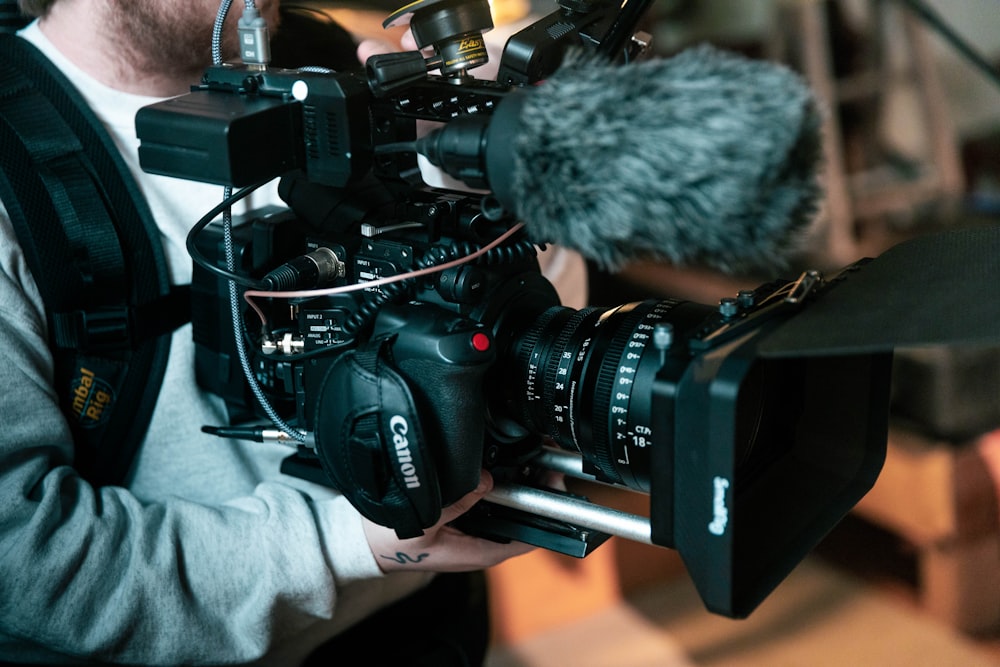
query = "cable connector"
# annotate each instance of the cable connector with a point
(319, 268)
(255, 43)
(261, 434)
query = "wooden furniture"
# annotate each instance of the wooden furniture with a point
(861, 179)
(936, 495)
(941, 499)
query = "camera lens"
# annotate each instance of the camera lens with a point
(585, 379)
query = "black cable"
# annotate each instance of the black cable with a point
(512, 251)
(396, 147)
(205, 221)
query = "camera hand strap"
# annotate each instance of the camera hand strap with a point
(370, 441)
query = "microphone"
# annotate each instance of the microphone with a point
(704, 158)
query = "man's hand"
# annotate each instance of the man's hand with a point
(442, 548)
(365, 26)
(374, 46)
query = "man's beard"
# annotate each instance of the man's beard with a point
(175, 37)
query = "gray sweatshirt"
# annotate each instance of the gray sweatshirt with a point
(209, 554)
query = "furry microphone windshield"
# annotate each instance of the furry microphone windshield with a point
(704, 158)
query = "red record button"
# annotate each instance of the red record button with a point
(481, 342)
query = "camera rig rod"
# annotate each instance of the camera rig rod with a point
(573, 511)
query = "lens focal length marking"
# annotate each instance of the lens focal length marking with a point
(588, 382)
(630, 426)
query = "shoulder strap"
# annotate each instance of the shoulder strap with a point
(11, 18)
(93, 249)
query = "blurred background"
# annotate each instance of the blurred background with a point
(912, 577)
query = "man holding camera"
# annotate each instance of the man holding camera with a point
(205, 554)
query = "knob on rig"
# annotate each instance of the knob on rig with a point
(453, 28)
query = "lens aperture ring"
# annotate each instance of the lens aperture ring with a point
(532, 353)
(563, 377)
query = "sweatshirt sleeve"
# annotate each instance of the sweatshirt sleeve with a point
(97, 573)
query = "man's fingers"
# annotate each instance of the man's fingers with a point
(373, 47)
(465, 503)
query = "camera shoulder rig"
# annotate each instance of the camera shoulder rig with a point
(92, 246)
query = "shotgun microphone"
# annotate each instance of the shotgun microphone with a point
(706, 158)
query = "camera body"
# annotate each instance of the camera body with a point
(442, 331)
(747, 460)
(323, 133)
(436, 347)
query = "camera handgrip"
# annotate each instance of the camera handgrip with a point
(452, 405)
(400, 421)
(444, 358)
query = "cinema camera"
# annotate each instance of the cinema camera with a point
(398, 393)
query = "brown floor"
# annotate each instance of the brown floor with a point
(852, 602)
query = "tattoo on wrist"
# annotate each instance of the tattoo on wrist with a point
(403, 558)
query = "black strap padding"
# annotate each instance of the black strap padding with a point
(11, 17)
(93, 248)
